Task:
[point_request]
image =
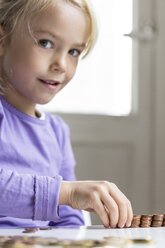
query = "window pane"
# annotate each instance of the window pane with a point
(102, 84)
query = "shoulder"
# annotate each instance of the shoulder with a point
(2, 109)
(1, 105)
(57, 122)
(59, 127)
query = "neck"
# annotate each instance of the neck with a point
(22, 104)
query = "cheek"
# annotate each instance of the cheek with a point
(17, 65)
(7, 66)
(72, 70)
(16, 71)
(11, 69)
(12, 59)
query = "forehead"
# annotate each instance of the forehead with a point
(63, 18)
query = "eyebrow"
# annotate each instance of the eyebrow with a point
(82, 45)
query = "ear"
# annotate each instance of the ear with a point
(2, 46)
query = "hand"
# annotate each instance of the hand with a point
(102, 197)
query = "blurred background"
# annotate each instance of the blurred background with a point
(115, 103)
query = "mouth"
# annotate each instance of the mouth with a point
(49, 82)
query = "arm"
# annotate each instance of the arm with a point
(68, 215)
(104, 198)
(27, 196)
(36, 197)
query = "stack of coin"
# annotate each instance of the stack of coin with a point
(157, 220)
(146, 220)
(164, 220)
(136, 221)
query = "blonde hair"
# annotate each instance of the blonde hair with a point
(13, 12)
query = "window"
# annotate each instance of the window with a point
(103, 81)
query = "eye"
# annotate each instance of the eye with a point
(74, 52)
(45, 43)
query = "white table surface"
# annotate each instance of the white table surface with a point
(157, 234)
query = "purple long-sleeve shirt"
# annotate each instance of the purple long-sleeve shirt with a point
(35, 155)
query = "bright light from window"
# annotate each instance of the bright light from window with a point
(102, 84)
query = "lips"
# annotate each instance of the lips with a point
(50, 82)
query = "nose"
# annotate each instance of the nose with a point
(59, 62)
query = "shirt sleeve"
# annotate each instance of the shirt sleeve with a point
(27, 196)
(68, 215)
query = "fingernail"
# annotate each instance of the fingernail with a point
(121, 226)
(129, 224)
(106, 226)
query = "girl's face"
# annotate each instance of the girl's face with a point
(41, 58)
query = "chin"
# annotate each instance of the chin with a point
(44, 101)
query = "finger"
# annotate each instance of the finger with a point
(123, 212)
(100, 210)
(125, 209)
(89, 209)
(129, 215)
(112, 209)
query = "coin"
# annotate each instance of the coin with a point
(156, 223)
(142, 241)
(158, 217)
(116, 241)
(14, 244)
(146, 217)
(30, 230)
(45, 228)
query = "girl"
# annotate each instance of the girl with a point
(41, 43)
